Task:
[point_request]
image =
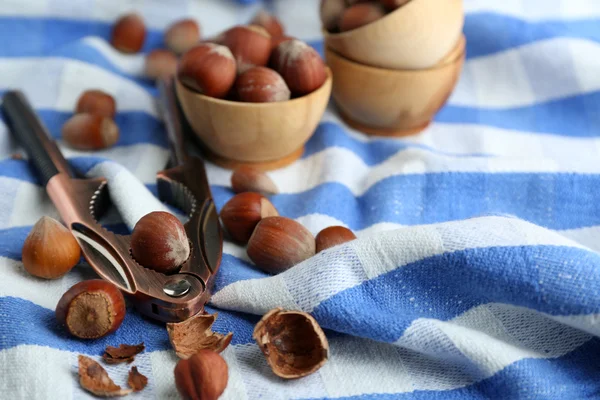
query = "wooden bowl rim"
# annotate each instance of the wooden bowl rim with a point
(234, 103)
(354, 31)
(372, 69)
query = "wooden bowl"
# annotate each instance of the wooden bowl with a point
(389, 102)
(265, 135)
(415, 36)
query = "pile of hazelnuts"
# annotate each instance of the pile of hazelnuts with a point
(256, 63)
(346, 15)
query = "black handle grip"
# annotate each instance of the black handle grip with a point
(29, 131)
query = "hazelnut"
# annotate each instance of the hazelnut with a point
(182, 35)
(333, 236)
(279, 243)
(300, 66)
(276, 41)
(203, 376)
(91, 309)
(159, 242)
(208, 69)
(330, 12)
(243, 212)
(293, 343)
(160, 63)
(129, 33)
(359, 15)
(261, 85)
(50, 250)
(250, 45)
(248, 179)
(393, 4)
(96, 102)
(269, 22)
(90, 132)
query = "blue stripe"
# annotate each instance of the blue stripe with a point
(488, 33)
(25, 323)
(544, 199)
(577, 116)
(445, 286)
(572, 376)
(38, 37)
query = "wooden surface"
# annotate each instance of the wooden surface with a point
(415, 36)
(254, 132)
(392, 101)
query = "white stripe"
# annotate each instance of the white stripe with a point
(519, 77)
(132, 64)
(537, 10)
(56, 83)
(365, 259)
(341, 165)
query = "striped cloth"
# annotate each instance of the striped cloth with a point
(475, 275)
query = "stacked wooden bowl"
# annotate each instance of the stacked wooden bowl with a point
(391, 76)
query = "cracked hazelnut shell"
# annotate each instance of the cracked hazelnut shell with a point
(293, 343)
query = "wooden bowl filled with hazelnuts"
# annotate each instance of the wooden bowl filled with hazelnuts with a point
(253, 97)
(395, 62)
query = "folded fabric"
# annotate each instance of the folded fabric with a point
(475, 273)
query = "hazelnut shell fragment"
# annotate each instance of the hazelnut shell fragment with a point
(94, 378)
(195, 334)
(136, 381)
(293, 343)
(123, 353)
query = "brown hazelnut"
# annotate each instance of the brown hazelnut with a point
(276, 41)
(269, 22)
(182, 35)
(330, 11)
(393, 4)
(243, 212)
(91, 309)
(300, 66)
(208, 69)
(250, 45)
(160, 63)
(96, 102)
(129, 33)
(333, 236)
(248, 179)
(279, 243)
(90, 132)
(359, 15)
(50, 250)
(293, 343)
(261, 85)
(203, 376)
(159, 242)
